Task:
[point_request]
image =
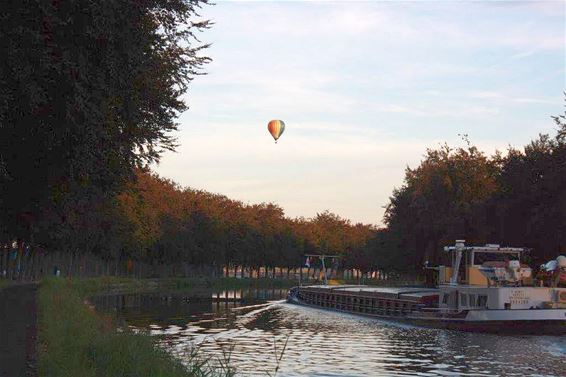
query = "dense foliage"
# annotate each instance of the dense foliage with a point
(89, 91)
(512, 199)
(517, 199)
(167, 223)
(89, 94)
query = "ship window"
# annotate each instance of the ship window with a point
(482, 301)
(472, 299)
(453, 299)
(463, 299)
(445, 298)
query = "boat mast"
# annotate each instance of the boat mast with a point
(322, 258)
(459, 248)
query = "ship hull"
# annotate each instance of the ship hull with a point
(516, 322)
(511, 327)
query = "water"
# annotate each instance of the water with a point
(253, 326)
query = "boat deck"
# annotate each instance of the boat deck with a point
(419, 306)
(409, 293)
(368, 300)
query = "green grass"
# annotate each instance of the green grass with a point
(76, 341)
(4, 283)
(130, 285)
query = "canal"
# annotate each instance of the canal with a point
(252, 326)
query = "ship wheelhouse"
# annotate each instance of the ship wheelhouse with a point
(485, 289)
(501, 281)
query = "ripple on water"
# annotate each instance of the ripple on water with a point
(325, 343)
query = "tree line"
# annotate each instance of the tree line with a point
(516, 199)
(89, 97)
(169, 223)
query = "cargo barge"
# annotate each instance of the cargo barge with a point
(495, 296)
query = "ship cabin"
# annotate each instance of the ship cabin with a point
(491, 277)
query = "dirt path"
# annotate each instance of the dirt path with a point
(18, 321)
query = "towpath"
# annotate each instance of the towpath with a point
(18, 331)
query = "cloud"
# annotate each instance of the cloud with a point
(400, 22)
(486, 94)
(492, 95)
(364, 88)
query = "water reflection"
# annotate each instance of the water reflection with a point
(150, 310)
(256, 323)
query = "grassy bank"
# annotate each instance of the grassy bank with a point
(76, 341)
(4, 283)
(130, 285)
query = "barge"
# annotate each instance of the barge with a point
(495, 296)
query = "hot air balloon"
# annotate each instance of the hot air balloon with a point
(276, 128)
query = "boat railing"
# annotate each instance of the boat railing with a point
(366, 304)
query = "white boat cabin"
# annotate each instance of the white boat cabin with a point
(501, 282)
(474, 297)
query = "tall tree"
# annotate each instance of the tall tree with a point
(530, 206)
(514, 199)
(437, 203)
(89, 91)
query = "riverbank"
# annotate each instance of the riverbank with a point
(74, 340)
(110, 284)
(3, 283)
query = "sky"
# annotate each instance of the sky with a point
(364, 88)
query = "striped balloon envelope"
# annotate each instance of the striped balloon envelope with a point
(276, 128)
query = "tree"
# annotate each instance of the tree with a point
(530, 206)
(437, 203)
(517, 199)
(89, 91)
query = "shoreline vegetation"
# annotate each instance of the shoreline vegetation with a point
(154, 228)
(79, 133)
(111, 284)
(75, 340)
(121, 285)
